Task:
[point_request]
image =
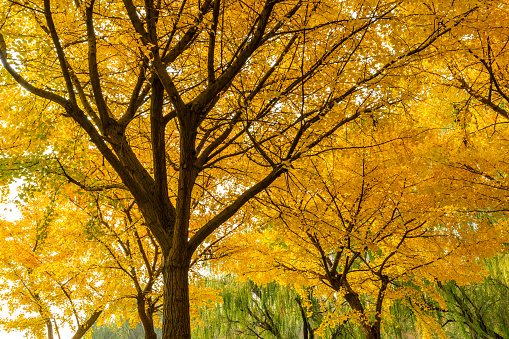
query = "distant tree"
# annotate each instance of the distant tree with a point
(124, 331)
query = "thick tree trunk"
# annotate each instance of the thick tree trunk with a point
(370, 331)
(176, 319)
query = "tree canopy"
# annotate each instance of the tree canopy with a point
(178, 120)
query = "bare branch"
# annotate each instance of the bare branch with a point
(212, 42)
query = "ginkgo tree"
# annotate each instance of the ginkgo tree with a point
(130, 257)
(49, 272)
(479, 68)
(385, 216)
(194, 107)
(73, 260)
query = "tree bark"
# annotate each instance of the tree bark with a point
(86, 326)
(146, 318)
(176, 319)
(306, 327)
(370, 331)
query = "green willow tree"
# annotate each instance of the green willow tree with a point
(478, 310)
(191, 108)
(272, 310)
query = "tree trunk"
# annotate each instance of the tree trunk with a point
(176, 318)
(371, 331)
(87, 325)
(49, 326)
(146, 319)
(306, 327)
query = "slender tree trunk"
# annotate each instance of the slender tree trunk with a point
(49, 327)
(176, 319)
(306, 327)
(146, 319)
(56, 329)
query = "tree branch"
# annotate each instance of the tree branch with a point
(94, 72)
(25, 84)
(202, 100)
(231, 209)
(212, 42)
(61, 56)
(86, 326)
